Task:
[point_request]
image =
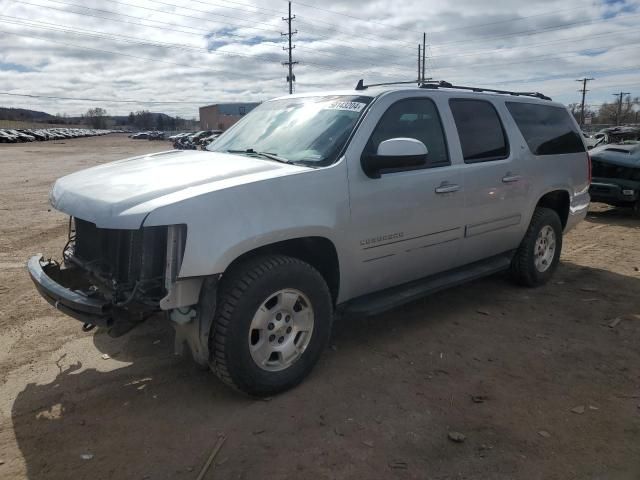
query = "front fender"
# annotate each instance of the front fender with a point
(224, 224)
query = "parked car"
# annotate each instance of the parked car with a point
(179, 135)
(350, 202)
(141, 136)
(156, 135)
(206, 141)
(7, 137)
(185, 142)
(616, 175)
(591, 141)
(21, 137)
(196, 137)
(38, 135)
(42, 134)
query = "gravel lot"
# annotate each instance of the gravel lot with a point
(503, 365)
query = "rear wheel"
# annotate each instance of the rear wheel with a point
(272, 322)
(539, 252)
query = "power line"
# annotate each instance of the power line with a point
(106, 100)
(603, 87)
(536, 31)
(205, 31)
(354, 17)
(134, 40)
(188, 47)
(243, 25)
(114, 19)
(324, 53)
(466, 27)
(563, 77)
(127, 39)
(137, 41)
(97, 49)
(230, 34)
(222, 15)
(313, 25)
(538, 58)
(528, 46)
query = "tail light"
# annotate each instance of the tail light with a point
(589, 167)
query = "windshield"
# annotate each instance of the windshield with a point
(310, 130)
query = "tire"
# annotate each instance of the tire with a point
(636, 209)
(529, 267)
(261, 302)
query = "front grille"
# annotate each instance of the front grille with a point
(611, 170)
(121, 256)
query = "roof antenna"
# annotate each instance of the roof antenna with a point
(360, 85)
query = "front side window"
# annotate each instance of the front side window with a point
(481, 133)
(306, 130)
(412, 118)
(547, 129)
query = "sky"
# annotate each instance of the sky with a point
(173, 56)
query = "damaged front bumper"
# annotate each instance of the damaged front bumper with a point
(63, 288)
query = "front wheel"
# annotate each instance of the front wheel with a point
(539, 252)
(272, 322)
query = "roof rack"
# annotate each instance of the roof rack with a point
(362, 86)
(435, 84)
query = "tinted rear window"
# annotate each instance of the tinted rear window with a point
(548, 130)
(480, 130)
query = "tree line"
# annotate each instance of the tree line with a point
(607, 113)
(140, 120)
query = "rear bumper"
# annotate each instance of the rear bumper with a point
(577, 210)
(46, 276)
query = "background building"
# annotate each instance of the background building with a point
(221, 116)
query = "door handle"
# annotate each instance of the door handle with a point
(447, 188)
(511, 178)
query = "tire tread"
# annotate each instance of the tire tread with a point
(522, 270)
(232, 288)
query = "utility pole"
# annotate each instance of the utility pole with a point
(584, 92)
(290, 78)
(424, 52)
(619, 112)
(419, 68)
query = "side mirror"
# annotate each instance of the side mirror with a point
(395, 153)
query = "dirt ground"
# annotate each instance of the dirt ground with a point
(503, 365)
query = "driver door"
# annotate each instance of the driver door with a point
(409, 222)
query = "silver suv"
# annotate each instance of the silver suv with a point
(352, 202)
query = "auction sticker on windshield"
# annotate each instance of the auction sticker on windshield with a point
(348, 106)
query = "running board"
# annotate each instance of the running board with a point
(378, 302)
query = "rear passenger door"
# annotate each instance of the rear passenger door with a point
(495, 177)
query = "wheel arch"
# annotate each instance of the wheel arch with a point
(319, 252)
(557, 200)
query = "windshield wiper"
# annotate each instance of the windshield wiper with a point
(269, 155)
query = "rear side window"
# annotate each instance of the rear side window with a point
(548, 130)
(480, 130)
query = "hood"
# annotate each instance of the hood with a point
(626, 154)
(120, 194)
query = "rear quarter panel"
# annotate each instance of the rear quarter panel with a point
(547, 173)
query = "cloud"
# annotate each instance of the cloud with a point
(215, 51)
